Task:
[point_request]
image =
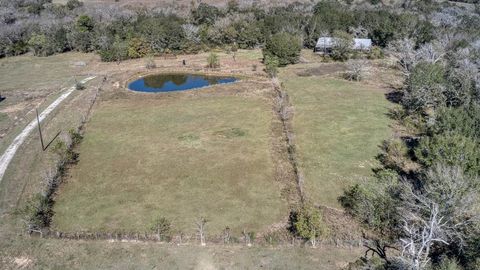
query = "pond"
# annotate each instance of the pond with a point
(176, 82)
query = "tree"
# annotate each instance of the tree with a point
(73, 4)
(161, 226)
(201, 225)
(205, 14)
(285, 47)
(425, 87)
(38, 43)
(451, 149)
(85, 23)
(404, 51)
(307, 223)
(342, 45)
(438, 214)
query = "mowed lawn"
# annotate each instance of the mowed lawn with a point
(338, 127)
(179, 159)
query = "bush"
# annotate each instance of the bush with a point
(307, 223)
(376, 53)
(79, 86)
(150, 62)
(137, 48)
(342, 46)
(285, 47)
(213, 61)
(271, 65)
(37, 213)
(73, 4)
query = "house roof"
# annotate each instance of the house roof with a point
(359, 43)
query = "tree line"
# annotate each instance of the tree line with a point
(117, 33)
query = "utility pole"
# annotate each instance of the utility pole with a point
(40, 130)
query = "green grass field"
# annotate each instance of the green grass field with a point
(338, 126)
(180, 159)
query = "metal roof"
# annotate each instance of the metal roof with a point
(358, 43)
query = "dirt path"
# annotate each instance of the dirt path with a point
(12, 149)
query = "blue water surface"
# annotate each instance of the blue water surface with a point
(176, 82)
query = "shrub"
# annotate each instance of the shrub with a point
(137, 48)
(307, 223)
(73, 4)
(271, 65)
(213, 61)
(342, 46)
(37, 213)
(376, 53)
(150, 62)
(38, 43)
(285, 47)
(79, 86)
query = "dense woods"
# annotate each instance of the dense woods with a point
(119, 33)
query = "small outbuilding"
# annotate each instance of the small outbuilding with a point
(326, 44)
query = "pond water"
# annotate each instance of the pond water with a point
(176, 82)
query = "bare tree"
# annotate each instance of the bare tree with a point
(226, 235)
(201, 224)
(404, 51)
(439, 214)
(431, 52)
(357, 69)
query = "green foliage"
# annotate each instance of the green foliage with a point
(38, 43)
(138, 48)
(285, 47)
(463, 120)
(85, 23)
(450, 149)
(213, 61)
(37, 212)
(307, 222)
(376, 53)
(73, 4)
(161, 227)
(394, 155)
(205, 14)
(79, 86)
(343, 46)
(117, 52)
(374, 203)
(271, 65)
(425, 87)
(330, 15)
(448, 264)
(161, 32)
(75, 136)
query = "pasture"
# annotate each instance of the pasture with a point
(337, 125)
(181, 159)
